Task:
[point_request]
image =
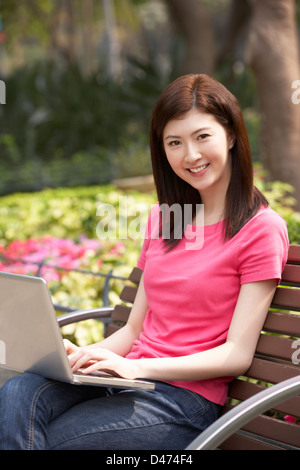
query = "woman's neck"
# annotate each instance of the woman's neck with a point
(214, 208)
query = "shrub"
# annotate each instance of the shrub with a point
(59, 227)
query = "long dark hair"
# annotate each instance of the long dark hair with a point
(201, 92)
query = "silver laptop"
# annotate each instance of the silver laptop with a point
(30, 337)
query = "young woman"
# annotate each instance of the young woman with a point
(199, 307)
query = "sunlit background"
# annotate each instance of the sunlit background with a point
(81, 77)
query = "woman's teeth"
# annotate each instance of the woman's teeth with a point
(200, 168)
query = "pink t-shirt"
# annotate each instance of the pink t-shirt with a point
(192, 293)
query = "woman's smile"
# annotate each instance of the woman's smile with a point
(199, 169)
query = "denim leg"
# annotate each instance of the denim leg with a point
(166, 418)
(28, 402)
(36, 413)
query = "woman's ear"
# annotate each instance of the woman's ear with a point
(231, 141)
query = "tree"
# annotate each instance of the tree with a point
(273, 55)
(113, 47)
(262, 33)
(192, 20)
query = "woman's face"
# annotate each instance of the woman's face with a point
(197, 148)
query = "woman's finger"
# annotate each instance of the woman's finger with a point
(77, 359)
(70, 347)
(102, 366)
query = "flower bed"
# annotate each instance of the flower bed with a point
(74, 272)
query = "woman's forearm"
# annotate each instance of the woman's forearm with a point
(120, 342)
(233, 357)
(224, 360)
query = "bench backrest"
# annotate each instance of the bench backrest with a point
(121, 312)
(277, 358)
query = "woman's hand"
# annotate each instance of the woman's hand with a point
(70, 347)
(97, 358)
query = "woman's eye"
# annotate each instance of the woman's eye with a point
(174, 143)
(202, 136)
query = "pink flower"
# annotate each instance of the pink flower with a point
(118, 248)
(50, 274)
(290, 419)
(60, 252)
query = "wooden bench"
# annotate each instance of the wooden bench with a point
(272, 381)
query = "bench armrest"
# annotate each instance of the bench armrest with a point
(241, 414)
(100, 313)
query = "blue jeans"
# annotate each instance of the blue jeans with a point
(37, 413)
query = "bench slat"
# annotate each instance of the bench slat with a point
(128, 294)
(286, 298)
(135, 275)
(272, 372)
(242, 442)
(121, 313)
(294, 253)
(272, 428)
(275, 346)
(285, 323)
(242, 389)
(291, 273)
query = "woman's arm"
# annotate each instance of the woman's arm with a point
(122, 340)
(229, 359)
(233, 357)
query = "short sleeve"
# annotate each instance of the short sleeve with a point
(151, 231)
(264, 248)
(142, 258)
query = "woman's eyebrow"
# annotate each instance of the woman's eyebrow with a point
(193, 133)
(201, 130)
(172, 137)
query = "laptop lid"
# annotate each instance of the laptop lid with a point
(30, 337)
(27, 328)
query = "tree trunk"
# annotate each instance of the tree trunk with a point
(87, 13)
(193, 21)
(274, 57)
(62, 31)
(114, 54)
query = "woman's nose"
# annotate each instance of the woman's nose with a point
(192, 153)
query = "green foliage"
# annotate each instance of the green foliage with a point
(61, 212)
(58, 119)
(69, 214)
(72, 212)
(281, 199)
(58, 111)
(34, 174)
